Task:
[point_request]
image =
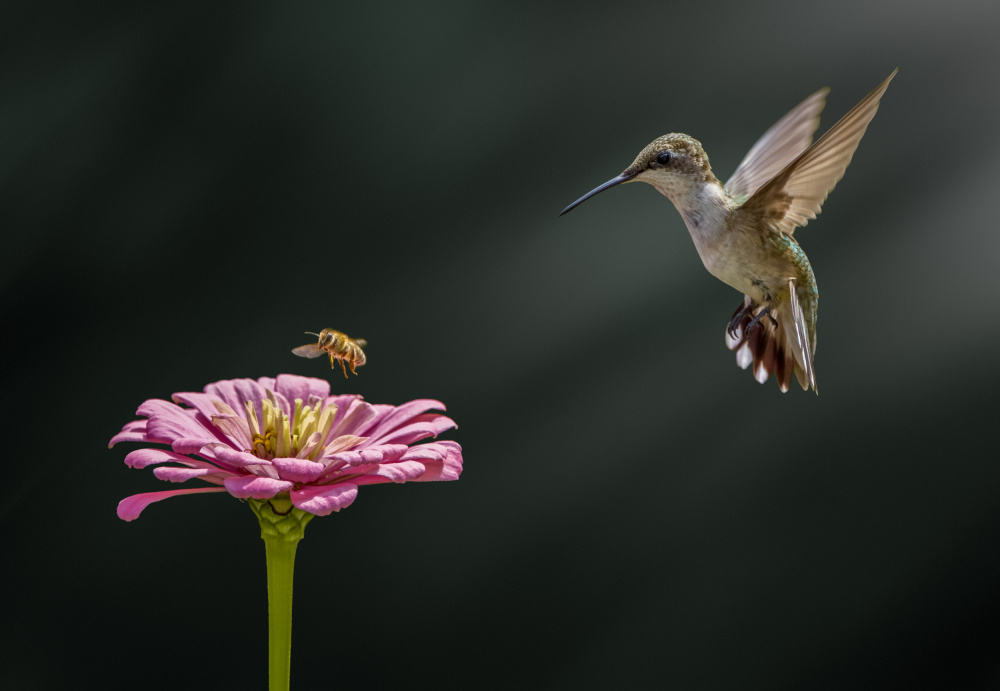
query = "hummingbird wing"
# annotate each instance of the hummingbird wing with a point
(796, 194)
(777, 147)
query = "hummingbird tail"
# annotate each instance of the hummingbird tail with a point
(767, 338)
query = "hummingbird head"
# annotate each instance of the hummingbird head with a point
(675, 164)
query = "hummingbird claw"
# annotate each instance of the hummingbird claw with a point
(736, 323)
(766, 311)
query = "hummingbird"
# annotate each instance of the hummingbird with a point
(743, 230)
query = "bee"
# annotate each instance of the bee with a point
(339, 346)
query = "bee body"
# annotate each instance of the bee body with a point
(339, 346)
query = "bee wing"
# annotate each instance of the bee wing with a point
(362, 343)
(309, 350)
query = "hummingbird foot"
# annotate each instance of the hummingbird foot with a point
(770, 350)
(738, 331)
(764, 312)
(735, 330)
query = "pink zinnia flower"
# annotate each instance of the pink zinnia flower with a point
(289, 437)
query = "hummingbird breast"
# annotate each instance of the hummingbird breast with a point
(756, 260)
(744, 251)
(732, 253)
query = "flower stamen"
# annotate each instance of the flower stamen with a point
(252, 418)
(263, 445)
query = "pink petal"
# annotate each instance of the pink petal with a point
(348, 457)
(253, 487)
(129, 508)
(400, 415)
(324, 500)
(234, 458)
(391, 452)
(309, 446)
(135, 431)
(448, 465)
(292, 386)
(424, 452)
(171, 422)
(193, 444)
(141, 458)
(283, 403)
(236, 392)
(352, 415)
(298, 469)
(370, 455)
(395, 472)
(342, 443)
(370, 479)
(201, 402)
(172, 474)
(235, 428)
(421, 427)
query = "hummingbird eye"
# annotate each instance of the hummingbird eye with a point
(663, 158)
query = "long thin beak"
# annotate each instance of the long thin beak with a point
(617, 180)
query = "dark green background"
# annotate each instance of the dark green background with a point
(187, 187)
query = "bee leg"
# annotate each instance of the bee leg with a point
(333, 362)
(343, 368)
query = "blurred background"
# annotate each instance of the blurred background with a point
(187, 187)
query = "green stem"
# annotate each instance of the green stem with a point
(281, 528)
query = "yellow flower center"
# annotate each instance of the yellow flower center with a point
(275, 436)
